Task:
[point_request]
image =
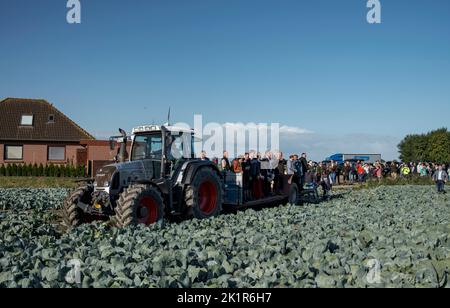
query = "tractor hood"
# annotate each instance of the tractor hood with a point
(127, 173)
(104, 176)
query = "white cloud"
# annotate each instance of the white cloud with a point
(291, 130)
(104, 135)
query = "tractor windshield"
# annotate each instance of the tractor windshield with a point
(147, 147)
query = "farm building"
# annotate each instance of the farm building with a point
(34, 131)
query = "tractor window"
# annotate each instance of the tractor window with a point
(147, 147)
(180, 146)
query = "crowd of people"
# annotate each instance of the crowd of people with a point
(351, 172)
(262, 172)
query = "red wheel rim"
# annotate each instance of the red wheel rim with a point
(207, 197)
(147, 211)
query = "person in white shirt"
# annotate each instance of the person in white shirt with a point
(440, 177)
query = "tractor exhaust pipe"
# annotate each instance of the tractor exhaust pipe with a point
(123, 155)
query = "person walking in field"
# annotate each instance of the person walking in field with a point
(361, 173)
(378, 171)
(394, 170)
(440, 177)
(347, 169)
(405, 171)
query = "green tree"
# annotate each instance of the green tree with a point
(29, 170)
(58, 171)
(14, 170)
(20, 170)
(431, 147)
(408, 148)
(438, 147)
(63, 171)
(40, 170)
(69, 171)
(51, 170)
(34, 171)
(2, 170)
(81, 171)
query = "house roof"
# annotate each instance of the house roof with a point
(61, 129)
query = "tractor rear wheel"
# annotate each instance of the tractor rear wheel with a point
(204, 196)
(139, 204)
(73, 216)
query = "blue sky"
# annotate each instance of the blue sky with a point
(313, 64)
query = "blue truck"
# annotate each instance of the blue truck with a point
(367, 158)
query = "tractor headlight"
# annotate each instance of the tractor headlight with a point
(106, 184)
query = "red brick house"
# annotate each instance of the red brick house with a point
(35, 132)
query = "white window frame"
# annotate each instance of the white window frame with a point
(55, 146)
(7, 158)
(28, 117)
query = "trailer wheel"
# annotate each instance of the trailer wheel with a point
(204, 196)
(73, 216)
(139, 204)
(293, 197)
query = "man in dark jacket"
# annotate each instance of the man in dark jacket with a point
(246, 172)
(304, 162)
(299, 172)
(255, 176)
(305, 168)
(279, 171)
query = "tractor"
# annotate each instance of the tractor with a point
(161, 178)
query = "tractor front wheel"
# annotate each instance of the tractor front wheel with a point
(73, 216)
(139, 204)
(204, 196)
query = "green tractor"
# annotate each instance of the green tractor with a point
(161, 178)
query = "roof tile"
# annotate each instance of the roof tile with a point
(61, 129)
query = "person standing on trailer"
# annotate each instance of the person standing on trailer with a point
(225, 163)
(299, 172)
(305, 168)
(255, 177)
(246, 171)
(326, 182)
(291, 169)
(279, 171)
(203, 156)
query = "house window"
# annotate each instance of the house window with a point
(13, 152)
(27, 120)
(56, 153)
(51, 118)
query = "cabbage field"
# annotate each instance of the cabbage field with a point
(385, 237)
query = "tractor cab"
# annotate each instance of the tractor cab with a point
(162, 148)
